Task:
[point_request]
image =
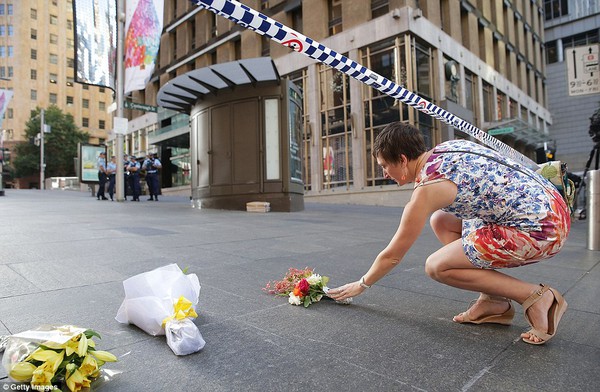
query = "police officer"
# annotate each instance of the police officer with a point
(134, 177)
(126, 189)
(101, 176)
(111, 171)
(151, 165)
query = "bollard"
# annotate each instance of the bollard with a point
(593, 209)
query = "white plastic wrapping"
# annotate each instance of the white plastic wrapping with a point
(149, 297)
(183, 336)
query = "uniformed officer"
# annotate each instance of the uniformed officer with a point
(111, 171)
(134, 177)
(101, 176)
(126, 189)
(151, 165)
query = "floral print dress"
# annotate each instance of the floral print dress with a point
(511, 216)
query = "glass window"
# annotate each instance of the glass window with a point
(53, 20)
(556, 8)
(53, 98)
(85, 122)
(11, 51)
(387, 59)
(299, 78)
(335, 16)
(33, 34)
(33, 14)
(53, 78)
(53, 38)
(501, 105)
(9, 9)
(69, 100)
(2, 9)
(70, 62)
(33, 95)
(101, 105)
(53, 59)
(85, 103)
(2, 72)
(70, 81)
(33, 74)
(101, 124)
(487, 102)
(336, 142)
(10, 71)
(2, 30)
(2, 51)
(379, 8)
(11, 30)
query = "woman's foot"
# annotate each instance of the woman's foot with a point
(543, 310)
(487, 309)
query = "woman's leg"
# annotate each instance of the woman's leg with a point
(450, 265)
(447, 227)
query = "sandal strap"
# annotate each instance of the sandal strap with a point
(533, 298)
(542, 335)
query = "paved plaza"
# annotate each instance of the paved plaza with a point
(64, 256)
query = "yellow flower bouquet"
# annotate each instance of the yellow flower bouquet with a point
(51, 358)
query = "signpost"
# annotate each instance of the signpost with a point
(583, 71)
(140, 106)
(500, 131)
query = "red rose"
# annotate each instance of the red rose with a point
(303, 286)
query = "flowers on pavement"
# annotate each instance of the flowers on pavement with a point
(50, 364)
(301, 286)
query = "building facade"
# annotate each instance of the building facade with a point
(37, 64)
(572, 28)
(481, 60)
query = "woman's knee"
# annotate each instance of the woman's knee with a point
(433, 267)
(446, 226)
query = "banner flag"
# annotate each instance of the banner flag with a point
(143, 27)
(5, 97)
(95, 42)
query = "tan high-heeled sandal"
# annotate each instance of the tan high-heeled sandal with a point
(555, 312)
(504, 318)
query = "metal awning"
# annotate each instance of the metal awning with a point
(519, 129)
(182, 93)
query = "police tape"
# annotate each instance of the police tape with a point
(263, 25)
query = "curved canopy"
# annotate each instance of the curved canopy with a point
(182, 93)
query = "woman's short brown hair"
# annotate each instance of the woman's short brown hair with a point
(396, 139)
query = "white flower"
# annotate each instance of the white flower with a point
(314, 279)
(294, 300)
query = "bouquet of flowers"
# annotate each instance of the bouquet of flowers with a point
(301, 286)
(52, 357)
(163, 302)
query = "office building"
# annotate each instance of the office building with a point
(481, 60)
(37, 64)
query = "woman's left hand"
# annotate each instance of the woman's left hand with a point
(346, 291)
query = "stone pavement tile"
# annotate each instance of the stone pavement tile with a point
(46, 276)
(13, 283)
(563, 366)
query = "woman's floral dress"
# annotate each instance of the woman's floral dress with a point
(511, 216)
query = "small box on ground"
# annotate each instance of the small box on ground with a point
(258, 206)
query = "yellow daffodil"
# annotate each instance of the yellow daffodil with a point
(22, 371)
(71, 346)
(89, 366)
(43, 374)
(104, 356)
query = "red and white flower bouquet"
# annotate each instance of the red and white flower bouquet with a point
(301, 286)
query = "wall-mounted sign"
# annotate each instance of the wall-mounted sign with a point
(583, 71)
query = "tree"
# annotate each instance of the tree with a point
(60, 145)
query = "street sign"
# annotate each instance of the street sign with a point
(501, 131)
(140, 106)
(583, 71)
